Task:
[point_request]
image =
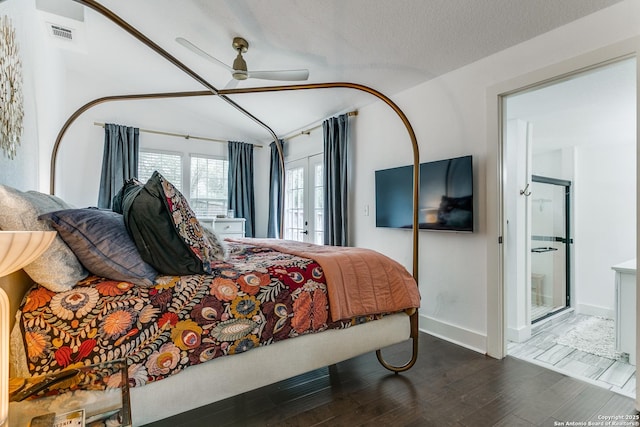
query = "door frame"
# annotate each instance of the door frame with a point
(495, 226)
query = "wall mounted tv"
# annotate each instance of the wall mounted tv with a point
(446, 196)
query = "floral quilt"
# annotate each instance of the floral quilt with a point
(256, 297)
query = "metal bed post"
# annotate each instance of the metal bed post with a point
(223, 95)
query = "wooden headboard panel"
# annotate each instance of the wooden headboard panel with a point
(16, 286)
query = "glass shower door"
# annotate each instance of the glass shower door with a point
(550, 246)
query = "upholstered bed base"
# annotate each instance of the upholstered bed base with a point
(231, 375)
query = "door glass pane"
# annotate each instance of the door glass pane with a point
(294, 204)
(548, 249)
(318, 204)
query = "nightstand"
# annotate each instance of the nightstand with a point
(229, 227)
(225, 227)
(101, 390)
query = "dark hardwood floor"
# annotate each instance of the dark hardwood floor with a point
(448, 386)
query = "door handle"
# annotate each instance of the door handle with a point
(543, 249)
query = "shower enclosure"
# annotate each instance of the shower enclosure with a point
(550, 246)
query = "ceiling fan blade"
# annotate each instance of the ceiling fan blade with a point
(232, 84)
(289, 75)
(186, 43)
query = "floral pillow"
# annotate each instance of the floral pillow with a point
(166, 231)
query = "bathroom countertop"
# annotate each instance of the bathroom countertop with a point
(628, 267)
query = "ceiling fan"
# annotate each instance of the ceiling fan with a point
(239, 69)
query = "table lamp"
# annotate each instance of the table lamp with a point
(17, 249)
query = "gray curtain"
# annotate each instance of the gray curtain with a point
(276, 192)
(119, 161)
(336, 132)
(241, 195)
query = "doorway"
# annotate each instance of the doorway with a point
(577, 135)
(570, 213)
(304, 200)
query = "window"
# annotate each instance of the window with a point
(209, 189)
(168, 164)
(203, 180)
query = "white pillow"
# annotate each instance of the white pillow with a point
(57, 268)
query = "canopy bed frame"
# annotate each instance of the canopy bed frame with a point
(267, 364)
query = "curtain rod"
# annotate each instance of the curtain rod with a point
(308, 131)
(180, 135)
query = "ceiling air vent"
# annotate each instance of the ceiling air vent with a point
(60, 32)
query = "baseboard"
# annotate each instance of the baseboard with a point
(467, 338)
(519, 335)
(594, 310)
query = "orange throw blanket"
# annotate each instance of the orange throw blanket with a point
(359, 281)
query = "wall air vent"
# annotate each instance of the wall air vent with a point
(61, 33)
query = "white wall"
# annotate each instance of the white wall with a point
(43, 87)
(605, 222)
(452, 265)
(449, 116)
(304, 145)
(22, 171)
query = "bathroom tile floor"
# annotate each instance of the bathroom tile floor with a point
(538, 311)
(542, 349)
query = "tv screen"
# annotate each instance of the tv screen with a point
(446, 196)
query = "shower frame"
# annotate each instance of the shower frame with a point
(567, 240)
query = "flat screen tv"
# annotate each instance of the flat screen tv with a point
(446, 196)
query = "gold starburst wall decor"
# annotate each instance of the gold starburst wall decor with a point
(11, 101)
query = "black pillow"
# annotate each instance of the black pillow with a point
(165, 229)
(129, 185)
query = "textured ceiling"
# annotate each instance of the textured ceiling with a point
(388, 45)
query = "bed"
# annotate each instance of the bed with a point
(248, 361)
(259, 311)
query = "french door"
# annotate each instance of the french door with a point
(304, 200)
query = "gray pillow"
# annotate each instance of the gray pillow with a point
(57, 269)
(102, 244)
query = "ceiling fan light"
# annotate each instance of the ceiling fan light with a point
(240, 75)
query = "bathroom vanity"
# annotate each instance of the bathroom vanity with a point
(626, 308)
